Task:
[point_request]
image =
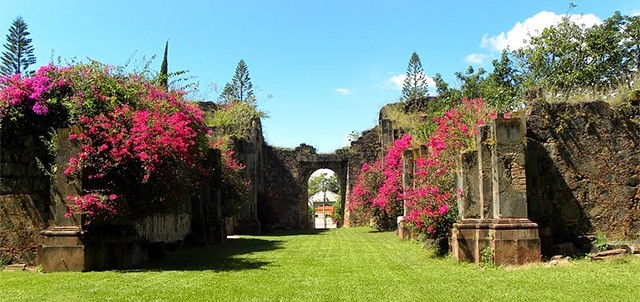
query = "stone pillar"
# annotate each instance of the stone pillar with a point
(469, 206)
(62, 248)
(494, 210)
(215, 201)
(248, 222)
(469, 235)
(408, 166)
(485, 188)
(207, 226)
(386, 126)
(515, 237)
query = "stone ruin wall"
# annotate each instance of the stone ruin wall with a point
(26, 206)
(583, 170)
(24, 193)
(278, 197)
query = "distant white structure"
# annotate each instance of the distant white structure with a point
(322, 203)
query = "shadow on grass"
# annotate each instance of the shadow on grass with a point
(217, 258)
(276, 233)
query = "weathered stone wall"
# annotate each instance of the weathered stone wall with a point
(24, 192)
(583, 170)
(279, 195)
(172, 227)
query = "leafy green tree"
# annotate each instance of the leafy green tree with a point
(415, 83)
(502, 88)
(554, 58)
(164, 70)
(240, 88)
(631, 41)
(19, 51)
(604, 55)
(323, 182)
(471, 82)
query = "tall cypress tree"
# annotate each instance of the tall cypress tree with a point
(164, 70)
(19, 51)
(415, 84)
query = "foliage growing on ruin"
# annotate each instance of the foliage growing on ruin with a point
(430, 201)
(233, 187)
(141, 146)
(233, 120)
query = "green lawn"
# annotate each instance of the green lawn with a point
(337, 265)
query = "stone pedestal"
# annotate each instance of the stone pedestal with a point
(62, 249)
(495, 227)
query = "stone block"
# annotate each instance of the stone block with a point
(505, 252)
(515, 242)
(8, 186)
(485, 188)
(62, 258)
(12, 169)
(463, 245)
(469, 203)
(528, 251)
(508, 169)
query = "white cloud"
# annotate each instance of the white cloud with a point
(476, 58)
(396, 81)
(343, 91)
(518, 36)
(635, 12)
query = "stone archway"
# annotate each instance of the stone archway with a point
(311, 163)
(284, 183)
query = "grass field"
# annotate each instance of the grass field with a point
(336, 265)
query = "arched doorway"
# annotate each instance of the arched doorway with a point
(324, 199)
(332, 162)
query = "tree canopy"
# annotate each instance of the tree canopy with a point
(323, 182)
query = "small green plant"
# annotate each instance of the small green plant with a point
(486, 254)
(601, 242)
(486, 257)
(38, 268)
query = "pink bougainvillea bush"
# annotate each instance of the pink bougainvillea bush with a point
(431, 200)
(141, 146)
(378, 187)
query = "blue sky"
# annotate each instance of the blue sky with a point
(329, 65)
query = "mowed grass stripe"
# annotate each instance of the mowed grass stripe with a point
(354, 264)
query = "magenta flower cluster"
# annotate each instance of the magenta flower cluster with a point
(137, 140)
(30, 92)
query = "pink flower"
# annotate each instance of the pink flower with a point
(443, 209)
(143, 156)
(40, 109)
